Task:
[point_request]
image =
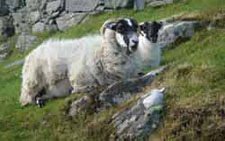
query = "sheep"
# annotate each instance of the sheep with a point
(149, 53)
(58, 68)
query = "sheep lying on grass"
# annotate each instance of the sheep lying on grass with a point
(57, 67)
(149, 51)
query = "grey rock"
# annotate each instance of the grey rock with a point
(15, 63)
(41, 27)
(115, 94)
(139, 5)
(54, 6)
(68, 20)
(4, 50)
(3, 8)
(81, 5)
(34, 16)
(77, 105)
(138, 121)
(20, 21)
(13, 5)
(170, 32)
(156, 3)
(115, 4)
(38, 27)
(34, 5)
(51, 27)
(122, 91)
(25, 41)
(6, 26)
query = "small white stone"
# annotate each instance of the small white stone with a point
(155, 97)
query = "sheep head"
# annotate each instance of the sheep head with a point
(124, 31)
(150, 30)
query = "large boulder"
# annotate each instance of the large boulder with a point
(26, 41)
(34, 5)
(141, 119)
(13, 5)
(139, 5)
(170, 32)
(4, 50)
(54, 6)
(6, 26)
(68, 20)
(156, 3)
(34, 17)
(20, 21)
(41, 27)
(3, 8)
(115, 4)
(81, 5)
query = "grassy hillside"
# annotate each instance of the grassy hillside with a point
(194, 103)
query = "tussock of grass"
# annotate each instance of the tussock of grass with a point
(195, 88)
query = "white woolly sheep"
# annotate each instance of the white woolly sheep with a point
(58, 66)
(149, 51)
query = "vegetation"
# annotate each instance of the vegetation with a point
(194, 103)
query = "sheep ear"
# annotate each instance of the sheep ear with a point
(160, 24)
(111, 26)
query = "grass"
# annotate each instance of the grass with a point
(194, 81)
(195, 88)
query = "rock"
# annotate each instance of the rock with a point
(20, 21)
(77, 106)
(3, 8)
(122, 91)
(140, 120)
(68, 20)
(34, 17)
(81, 5)
(115, 94)
(170, 32)
(41, 27)
(156, 3)
(54, 6)
(38, 27)
(6, 26)
(139, 5)
(4, 50)
(15, 63)
(115, 4)
(34, 5)
(13, 5)
(25, 41)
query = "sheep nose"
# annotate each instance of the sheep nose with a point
(135, 41)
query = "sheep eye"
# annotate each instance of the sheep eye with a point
(120, 28)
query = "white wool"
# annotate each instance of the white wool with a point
(59, 66)
(51, 62)
(155, 97)
(149, 53)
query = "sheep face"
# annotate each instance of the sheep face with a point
(150, 30)
(125, 33)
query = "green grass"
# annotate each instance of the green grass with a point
(194, 81)
(195, 88)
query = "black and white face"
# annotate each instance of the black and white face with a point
(150, 30)
(126, 34)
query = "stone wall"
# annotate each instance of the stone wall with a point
(47, 15)
(25, 16)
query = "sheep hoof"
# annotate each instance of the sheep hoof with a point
(39, 102)
(141, 74)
